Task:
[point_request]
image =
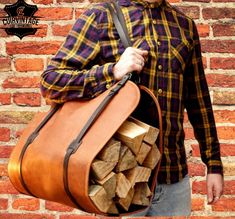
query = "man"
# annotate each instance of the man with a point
(166, 54)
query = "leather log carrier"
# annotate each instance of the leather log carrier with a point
(52, 159)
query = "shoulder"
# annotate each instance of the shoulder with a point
(99, 11)
(184, 21)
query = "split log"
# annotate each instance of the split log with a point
(100, 198)
(144, 150)
(111, 151)
(142, 193)
(138, 174)
(131, 134)
(100, 169)
(126, 202)
(109, 184)
(113, 209)
(126, 160)
(152, 158)
(123, 186)
(151, 132)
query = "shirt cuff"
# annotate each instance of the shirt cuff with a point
(215, 166)
(105, 79)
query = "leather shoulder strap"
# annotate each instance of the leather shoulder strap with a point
(120, 24)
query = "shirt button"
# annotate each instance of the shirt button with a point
(108, 86)
(159, 67)
(154, 22)
(159, 91)
(158, 43)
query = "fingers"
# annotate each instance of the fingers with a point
(132, 60)
(214, 187)
(210, 196)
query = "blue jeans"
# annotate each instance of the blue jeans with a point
(170, 200)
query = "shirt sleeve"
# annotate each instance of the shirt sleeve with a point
(75, 71)
(199, 109)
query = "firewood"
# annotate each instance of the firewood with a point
(131, 134)
(126, 202)
(110, 152)
(142, 193)
(138, 174)
(113, 209)
(152, 158)
(127, 159)
(151, 132)
(109, 184)
(123, 186)
(144, 150)
(100, 198)
(101, 169)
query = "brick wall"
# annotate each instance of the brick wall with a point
(22, 61)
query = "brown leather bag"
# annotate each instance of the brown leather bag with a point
(53, 157)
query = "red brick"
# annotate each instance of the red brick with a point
(227, 150)
(223, 0)
(195, 150)
(5, 151)
(5, 99)
(223, 63)
(229, 187)
(203, 30)
(53, 206)
(224, 204)
(6, 187)
(3, 170)
(7, 1)
(205, 1)
(55, 13)
(191, 11)
(44, 2)
(61, 30)
(226, 133)
(38, 48)
(78, 12)
(204, 60)
(3, 204)
(26, 216)
(220, 46)
(41, 31)
(226, 29)
(28, 64)
(218, 13)
(4, 134)
(198, 204)
(28, 204)
(73, 216)
(220, 80)
(21, 82)
(199, 187)
(5, 64)
(224, 116)
(189, 134)
(196, 169)
(224, 97)
(27, 99)
(16, 117)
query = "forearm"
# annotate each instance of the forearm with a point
(61, 85)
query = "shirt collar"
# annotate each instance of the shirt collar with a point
(143, 3)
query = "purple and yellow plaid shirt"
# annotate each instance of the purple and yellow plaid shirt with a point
(82, 68)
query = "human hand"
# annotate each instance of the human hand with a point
(215, 186)
(131, 60)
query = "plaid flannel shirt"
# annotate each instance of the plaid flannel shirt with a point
(82, 68)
